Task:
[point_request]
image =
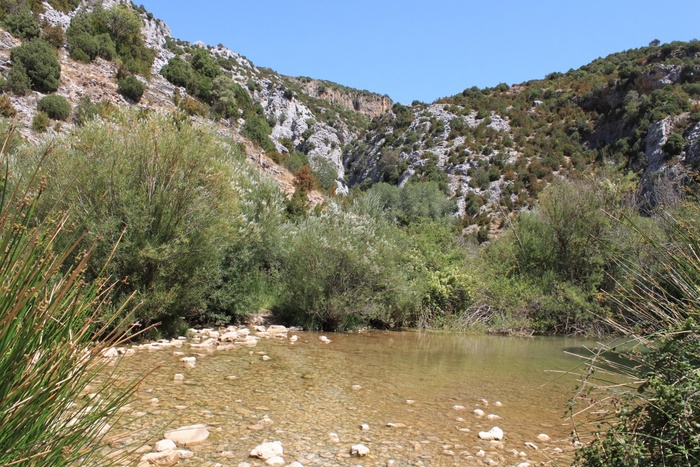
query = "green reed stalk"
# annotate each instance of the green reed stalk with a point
(49, 355)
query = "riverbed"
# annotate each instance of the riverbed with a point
(410, 397)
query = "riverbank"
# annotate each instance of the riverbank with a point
(409, 398)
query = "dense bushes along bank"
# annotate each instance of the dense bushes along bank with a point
(202, 238)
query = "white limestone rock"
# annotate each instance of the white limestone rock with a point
(494, 433)
(187, 435)
(359, 450)
(267, 451)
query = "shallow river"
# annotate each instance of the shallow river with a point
(429, 384)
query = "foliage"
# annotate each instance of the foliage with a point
(110, 33)
(41, 64)
(22, 24)
(55, 106)
(165, 188)
(257, 129)
(41, 122)
(54, 35)
(652, 418)
(131, 88)
(49, 319)
(412, 203)
(6, 107)
(65, 6)
(340, 270)
(18, 81)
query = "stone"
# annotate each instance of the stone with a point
(249, 341)
(110, 353)
(324, 339)
(190, 362)
(543, 437)
(498, 404)
(494, 433)
(531, 445)
(492, 417)
(187, 435)
(185, 454)
(266, 358)
(293, 338)
(478, 413)
(229, 336)
(275, 461)
(458, 407)
(359, 450)
(267, 451)
(364, 427)
(396, 425)
(178, 377)
(161, 458)
(334, 438)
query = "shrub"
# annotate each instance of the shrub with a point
(54, 35)
(22, 24)
(257, 129)
(111, 33)
(18, 81)
(55, 106)
(170, 185)
(85, 111)
(40, 61)
(6, 108)
(65, 6)
(341, 270)
(131, 88)
(40, 122)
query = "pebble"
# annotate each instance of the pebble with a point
(359, 450)
(543, 437)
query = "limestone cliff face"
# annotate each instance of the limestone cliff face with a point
(366, 103)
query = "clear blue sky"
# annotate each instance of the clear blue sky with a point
(424, 50)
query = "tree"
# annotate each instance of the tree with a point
(40, 61)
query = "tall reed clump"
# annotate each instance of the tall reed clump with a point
(642, 393)
(49, 355)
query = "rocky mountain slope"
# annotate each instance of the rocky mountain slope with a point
(493, 150)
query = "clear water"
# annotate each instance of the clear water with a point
(310, 389)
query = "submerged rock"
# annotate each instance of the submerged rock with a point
(494, 433)
(267, 451)
(186, 435)
(359, 450)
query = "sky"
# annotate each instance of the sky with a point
(424, 50)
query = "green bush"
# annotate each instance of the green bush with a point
(165, 187)
(55, 106)
(22, 24)
(40, 61)
(131, 88)
(111, 33)
(340, 271)
(18, 81)
(65, 6)
(41, 122)
(257, 129)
